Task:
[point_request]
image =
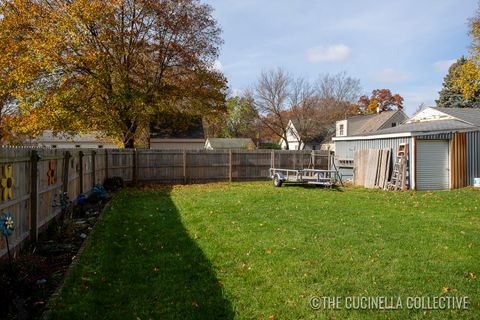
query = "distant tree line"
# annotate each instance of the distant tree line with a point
(461, 85)
(263, 111)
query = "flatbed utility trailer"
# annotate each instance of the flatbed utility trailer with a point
(311, 176)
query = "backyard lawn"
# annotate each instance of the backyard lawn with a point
(252, 251)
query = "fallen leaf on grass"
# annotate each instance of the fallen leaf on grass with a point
(470, 275)
(445, 289)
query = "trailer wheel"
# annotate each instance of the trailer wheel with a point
(277, 182)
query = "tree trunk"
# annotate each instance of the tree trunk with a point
(287, 147)
(129, 143)
(129, 135)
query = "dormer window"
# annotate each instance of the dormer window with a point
(341, 130)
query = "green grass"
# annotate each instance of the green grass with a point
(251, 251)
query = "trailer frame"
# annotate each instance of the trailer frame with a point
(326, 178)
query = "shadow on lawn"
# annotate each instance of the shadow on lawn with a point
(190, 284)
(156, 273)
(312, 186)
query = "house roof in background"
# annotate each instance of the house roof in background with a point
(363, 124)
(178, 127)
(230, 143)
(461, 119)
(49, 136)
(325, 133)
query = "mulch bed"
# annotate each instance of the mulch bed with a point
(27, 284)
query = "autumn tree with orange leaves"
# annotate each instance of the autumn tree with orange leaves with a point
(380, 100)
(109, 65)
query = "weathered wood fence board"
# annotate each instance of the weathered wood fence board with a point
(372, 167)
(36, 198)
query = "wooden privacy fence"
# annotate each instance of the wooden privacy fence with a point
(197, 166)
(40, 176)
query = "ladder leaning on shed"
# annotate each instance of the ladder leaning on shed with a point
(399, 175)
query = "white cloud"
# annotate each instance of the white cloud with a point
(336, 52)
(391, 76)
(443, 65)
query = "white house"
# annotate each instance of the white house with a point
(296, 142)
(93, 140)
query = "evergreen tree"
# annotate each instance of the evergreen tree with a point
(450, 96)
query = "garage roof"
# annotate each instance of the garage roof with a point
(439, 125)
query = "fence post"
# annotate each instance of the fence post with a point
(106, 163)
(272, 159)
(94, 168)
(230, 165)
(328, 161)
(184, 163)
(66, 167)
(135, 168)
(34, 196)
(80, 164)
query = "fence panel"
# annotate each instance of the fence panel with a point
(120, 164)
(50, 184)
(248, 165)
(166, 166)
(206, 166)
(19, 204)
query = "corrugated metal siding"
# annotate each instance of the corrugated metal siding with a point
(471, 152)
(473, 156)
(458, 160)
(436, 136)
(346, 149)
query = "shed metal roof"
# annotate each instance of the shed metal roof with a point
(470, 115)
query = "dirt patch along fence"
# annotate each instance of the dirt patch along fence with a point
(38, 177)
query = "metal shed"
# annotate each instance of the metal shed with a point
(444, 148)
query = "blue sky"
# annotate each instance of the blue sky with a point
(402, 45)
